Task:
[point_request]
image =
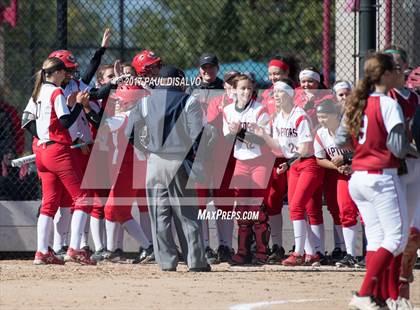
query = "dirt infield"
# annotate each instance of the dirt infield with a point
(125, 286)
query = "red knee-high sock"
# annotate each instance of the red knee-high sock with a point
(377, 264)
(393, 277)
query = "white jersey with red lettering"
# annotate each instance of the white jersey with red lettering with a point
(80, 128)
(325, 147)
(50, 106)
(292, 130)
(254, 113)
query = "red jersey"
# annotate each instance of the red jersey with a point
(380, 115)
(408, 105)
(301, 100)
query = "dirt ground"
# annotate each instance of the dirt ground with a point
(126, 286)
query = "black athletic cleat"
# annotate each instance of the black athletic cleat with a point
(145, 256)
(347, 261)
(337, 254)
(361, 263)
(61, 253)
(224, 254)
(116, 256)
(277, 255)
(98, 255)
(211, 256)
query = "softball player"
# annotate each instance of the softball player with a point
(376, 122)
(56, 163)
(278, 68)
(409, 101)
(221, 178)
(342, 90)
(308, 96)
(123, 159)
(327, 153)
(251, 171)
(292, 137)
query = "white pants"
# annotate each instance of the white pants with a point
(382, 204)
(411, 186)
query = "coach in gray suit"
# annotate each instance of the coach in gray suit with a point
(173, 120)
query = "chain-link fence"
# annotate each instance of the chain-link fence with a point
(243, 34)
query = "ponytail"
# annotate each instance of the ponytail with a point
(375, 66)
(49, 66)
(39, 79)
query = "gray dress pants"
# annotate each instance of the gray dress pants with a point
(166, 180)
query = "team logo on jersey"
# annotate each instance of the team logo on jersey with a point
(287, 132)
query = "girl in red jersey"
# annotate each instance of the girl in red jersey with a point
(376, 123)
(55, 161)
(125, 189)
(251, 171)
(409, 102)
(293, 138)
(327, 153)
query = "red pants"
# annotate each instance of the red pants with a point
(119, 203)
(59, 171)
(276, 190)
(330, 194)
(304, 179)
(348, 209)
(250, 178)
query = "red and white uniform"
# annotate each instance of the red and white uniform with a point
(55, 161)
(375, 186)
(250, 176)
(304, 176)
(411, 181)
(277, 185)
(325, 148)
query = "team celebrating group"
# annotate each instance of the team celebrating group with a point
(354, 149)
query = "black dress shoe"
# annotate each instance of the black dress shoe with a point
(200, 269)
(169, 269)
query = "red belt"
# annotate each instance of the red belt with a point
(380, 171)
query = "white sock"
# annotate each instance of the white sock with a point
(299, 229)
(97, 229)
(225, 232)
(349, 234)
(44, 227)
(120, 237)
(205, 228)
(309, 241)
(135, 231)
(318, 238)
(146, 225)
(85, 237)
(78, 224)
(111, 235)
(338, 237)
(61, 228)
(276, 225)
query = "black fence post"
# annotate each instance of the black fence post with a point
(62, 24)
(367, 31)
(121, 11)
